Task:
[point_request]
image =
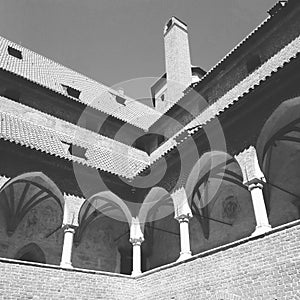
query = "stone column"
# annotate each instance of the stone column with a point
(183, 214)
(136, 239)
(185, 249)
(254, 179)
(66, 256)
(262, 223)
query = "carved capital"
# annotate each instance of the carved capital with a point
(255, 183)
(136, 241)
(249, 164)
(136, 234)
(183, 218)
(181, 205)
(69, 228)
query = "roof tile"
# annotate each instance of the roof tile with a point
(53, 76)
(25, 133)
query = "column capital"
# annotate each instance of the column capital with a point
(255, 183)
(184, 218)
(248, 162)
(136, 234)
(69, 228)
(181, 205)
(136, 241)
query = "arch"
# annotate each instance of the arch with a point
(152, 214)
(204, 181)
(279, 138)
(31, 252)
(21, 194)
(157, 198)
(100, 204)
(280, 125)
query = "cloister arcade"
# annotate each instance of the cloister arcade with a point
(224, 198)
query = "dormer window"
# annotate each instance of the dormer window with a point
(71, 91)
(14, 52)
(74, 150)
(253, 63)
(120, 100)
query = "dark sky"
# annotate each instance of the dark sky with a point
(116, 40)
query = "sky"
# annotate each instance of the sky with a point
(113, 41)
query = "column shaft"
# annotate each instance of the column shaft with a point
(136, 258)
(67, 247)
(261, 217)
(185, 249)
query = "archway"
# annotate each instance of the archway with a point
(159, 227)
(278, 147)
(21, 194)
(220, 203)
(32, 212)
(103, 234)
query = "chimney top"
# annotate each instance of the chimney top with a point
(174, 21)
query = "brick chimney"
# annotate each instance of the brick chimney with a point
(177, 59)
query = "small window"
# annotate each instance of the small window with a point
(253, 63)
(74, 150)
(14, 52)
(120, 100)
(162, 97)
(71, 91)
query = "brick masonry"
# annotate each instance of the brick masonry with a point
(34, 281)
(264, 267)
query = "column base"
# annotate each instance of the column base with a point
(261, 230)
(66, 265)
(184, 255)
(136, 273)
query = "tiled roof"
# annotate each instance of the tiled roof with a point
(53, 76)
(16, 129)
(37, 117)
(23, 132)
(271, 66)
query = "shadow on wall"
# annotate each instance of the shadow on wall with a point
(31, 219)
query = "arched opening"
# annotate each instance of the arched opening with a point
(156, 216)
(23, 193)
(31, 252)
(220, 203)
(278, 148)
(102, 238)
(31, 212)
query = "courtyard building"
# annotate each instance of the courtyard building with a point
(195, 196)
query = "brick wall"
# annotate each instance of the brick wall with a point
(33, 281)
(254, 268)
(265, 267)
